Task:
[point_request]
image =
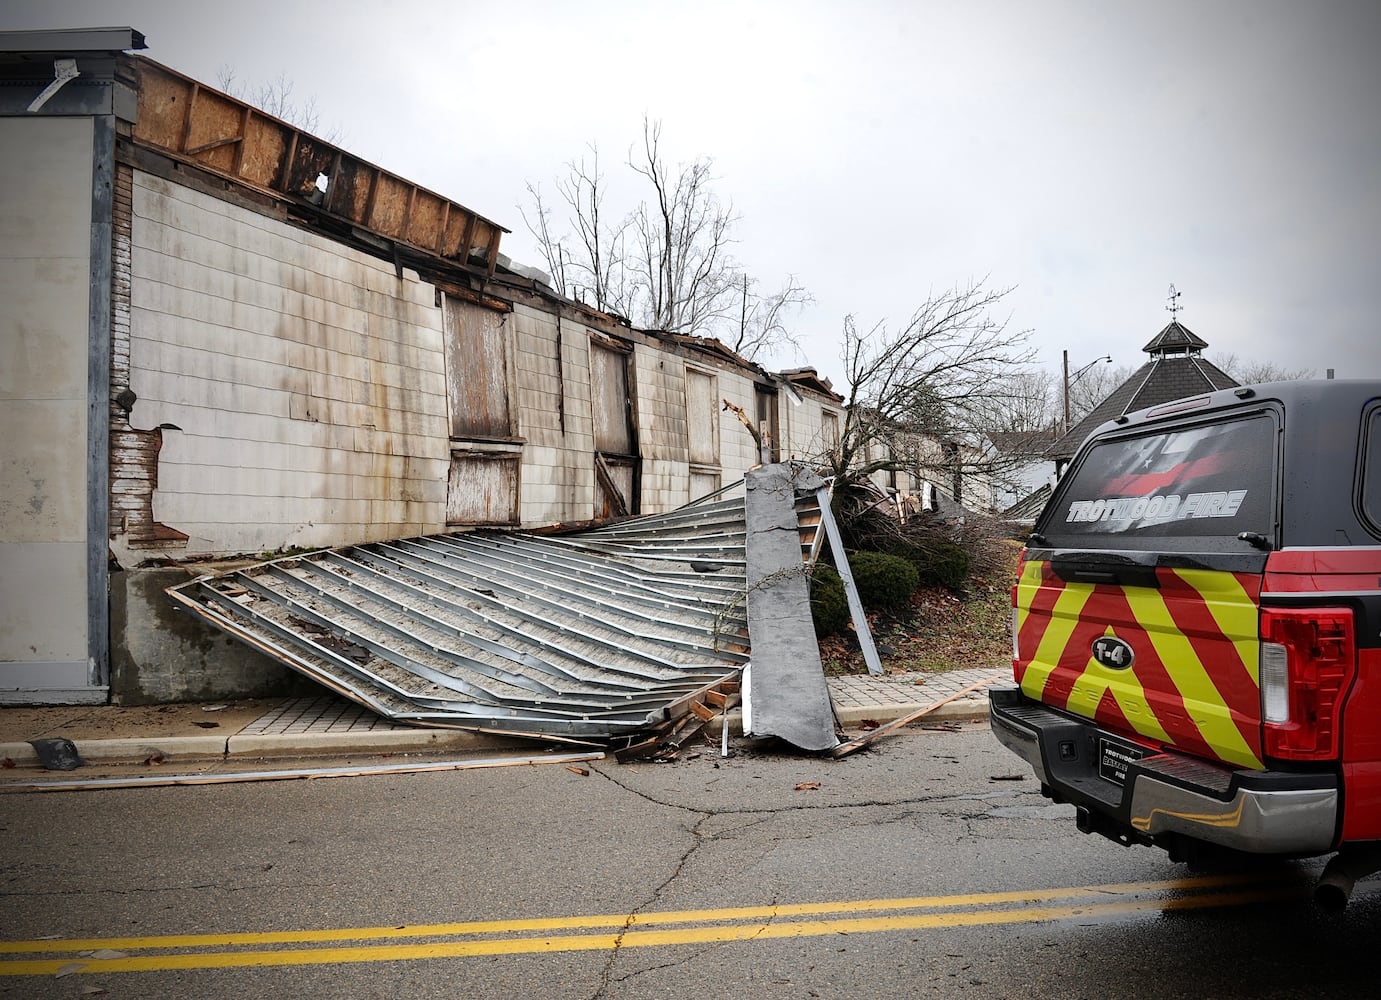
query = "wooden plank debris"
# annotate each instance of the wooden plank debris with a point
(145, 781)
(859, 742)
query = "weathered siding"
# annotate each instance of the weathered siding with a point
(558, 475)
(661, 387)
(299, 384)
(45, 274)
(804, 434)
(738, 452)
(291, 391)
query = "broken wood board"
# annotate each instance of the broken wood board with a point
(145, 781)
(859, 742)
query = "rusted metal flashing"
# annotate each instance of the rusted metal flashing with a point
(712, 347)
(183, 118)
(469, 295)
(606, 637)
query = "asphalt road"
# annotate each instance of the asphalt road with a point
(918, 867)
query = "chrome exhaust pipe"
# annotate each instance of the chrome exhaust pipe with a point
(1340, 875)
(1334, 887)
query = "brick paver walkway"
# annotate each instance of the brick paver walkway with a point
(861, 690)
(329, 713)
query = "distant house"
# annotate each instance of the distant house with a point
(919, 470)
(1175, 370)
(1022, 468)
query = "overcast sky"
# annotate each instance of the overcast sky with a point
(1088, 153)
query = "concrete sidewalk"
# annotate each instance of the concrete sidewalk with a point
(327, 725)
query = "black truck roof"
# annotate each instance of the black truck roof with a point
(1324, 427)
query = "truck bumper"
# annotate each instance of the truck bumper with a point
(1162, 794)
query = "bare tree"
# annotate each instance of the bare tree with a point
(589, 263)
(683, 271)
(1093, 385)
(275, 97)
(762, 319)
(667, 263)
(941, 379)
(1031, 401)
(1251, 372)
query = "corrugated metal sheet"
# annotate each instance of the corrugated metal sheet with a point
(597, 636)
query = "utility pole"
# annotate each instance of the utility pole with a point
(1066, 360)
(1068, 381)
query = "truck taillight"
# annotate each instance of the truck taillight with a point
(1308, 659)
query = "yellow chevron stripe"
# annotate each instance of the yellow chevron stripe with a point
(1027, 585)
(1204, 705)
(1233, 610)
(1064, 617)
(1126, 691)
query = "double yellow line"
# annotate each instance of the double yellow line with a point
(518, 937)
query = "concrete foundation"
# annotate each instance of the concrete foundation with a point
(159, 654)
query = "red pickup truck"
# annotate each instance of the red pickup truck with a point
(1197, 629)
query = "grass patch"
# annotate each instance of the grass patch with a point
(938, 630)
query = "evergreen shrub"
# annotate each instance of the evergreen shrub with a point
(885, 582)
(940, 563)
(829, 606)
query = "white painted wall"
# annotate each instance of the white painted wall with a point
(1020, 482)
(45, 264)
(802, 425)
(301, 387)
(305, 380)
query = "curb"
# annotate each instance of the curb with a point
(125, 748)
(413, 740)
(372, 741)
(960, 710)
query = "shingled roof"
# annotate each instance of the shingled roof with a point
(1175, 370)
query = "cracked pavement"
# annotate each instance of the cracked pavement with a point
(634, 874)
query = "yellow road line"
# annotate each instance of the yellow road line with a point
(714, 933)
(768, 912)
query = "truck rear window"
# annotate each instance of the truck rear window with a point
(1176, 489)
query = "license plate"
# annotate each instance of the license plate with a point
(1114, 758)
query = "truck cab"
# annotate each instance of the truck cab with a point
(1197, 629)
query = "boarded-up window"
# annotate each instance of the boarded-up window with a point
(609, 400)
(483, 488)
(767, 421)
(702, 484)
(477, 371)
(829, 430)
(702, 418)
(618, 487)
(616, 448)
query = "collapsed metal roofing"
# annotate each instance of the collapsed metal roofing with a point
(600, 636)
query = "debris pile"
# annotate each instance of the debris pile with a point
(621, 637)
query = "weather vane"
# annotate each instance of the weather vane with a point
(1174, 305)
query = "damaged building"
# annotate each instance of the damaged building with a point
(225, 338)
